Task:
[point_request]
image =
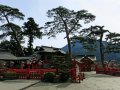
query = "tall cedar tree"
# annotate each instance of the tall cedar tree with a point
(67, 21)
(8, 14)
(31, 30)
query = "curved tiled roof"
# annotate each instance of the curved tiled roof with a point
(7, 56)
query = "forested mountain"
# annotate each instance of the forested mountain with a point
(78, 49)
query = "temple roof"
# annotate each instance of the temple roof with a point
(49, 49)
(7, 56)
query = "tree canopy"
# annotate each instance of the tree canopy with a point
(113, 40)
(68, 21)
(32, 30)
(96, 33)
(8, 14)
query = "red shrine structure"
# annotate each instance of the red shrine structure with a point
(34, 67)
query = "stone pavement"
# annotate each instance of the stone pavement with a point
(16, 84)
(92, 82)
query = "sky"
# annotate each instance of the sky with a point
(106, 11)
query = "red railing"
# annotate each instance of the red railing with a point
(108, 71)
(38, 73)
(31, 73)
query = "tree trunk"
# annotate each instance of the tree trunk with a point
(30, 45)
(68, 39)
(16, 39)
(69, 43)
(101, 51)
(69, 48)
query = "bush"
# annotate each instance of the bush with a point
(64, 76)
(48, 77)
(10, 75)
(1, 76)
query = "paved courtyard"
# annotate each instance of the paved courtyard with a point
(16, 84)
(92, 82)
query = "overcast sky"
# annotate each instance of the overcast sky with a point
(106, 11)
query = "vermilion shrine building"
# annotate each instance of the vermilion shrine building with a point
(87, 62)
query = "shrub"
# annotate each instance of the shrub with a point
(64, 76)
(10, 75)
(1, 76)
(48, 77)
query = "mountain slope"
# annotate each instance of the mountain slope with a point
(78, 49)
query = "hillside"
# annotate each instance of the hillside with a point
(78, 49)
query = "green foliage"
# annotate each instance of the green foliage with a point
(11, 13)
(8, 32)
(62, 65)
(90, 35)
(64, 76)
(87, 42)
(113, 40)
(59, 77)
(2, 65)
(8, 14)
(48, 77)
(1, 75)
(31, 30)
(11, 46)
(66, 21)
(10, 75)
(96, 33)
